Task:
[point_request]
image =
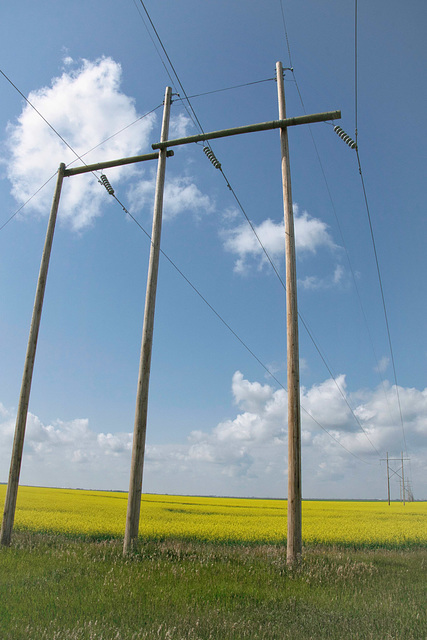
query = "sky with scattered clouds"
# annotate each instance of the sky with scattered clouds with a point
(217, 421)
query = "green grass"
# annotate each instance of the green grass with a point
(54, 587)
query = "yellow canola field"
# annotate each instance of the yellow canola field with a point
(103, 513)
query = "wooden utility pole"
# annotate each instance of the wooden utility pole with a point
(135, 484)
(403, 482)
(140, 427)
(21, 420)
(294, 543)
(388, 481)
(294, 540)
(24, 398)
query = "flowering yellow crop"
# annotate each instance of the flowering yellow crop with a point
(103, 513)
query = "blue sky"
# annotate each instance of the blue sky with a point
(217, 420)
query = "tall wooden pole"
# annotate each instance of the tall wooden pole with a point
(388, 481)
(294, 541)
(403, 482)
(24, 399)
(140, 427)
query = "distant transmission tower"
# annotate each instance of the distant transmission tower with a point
(399, 472)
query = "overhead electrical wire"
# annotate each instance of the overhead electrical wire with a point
(371, 227)
(52, 128)
(41, 115)
(78, 157)
(191, 112)
(344, 244)
(172, 263)
(382, 299)
(27, 201)
(355, 147)
(152, 39)
(202, 131)
(236, 86)
(111, 191)
(240, 204)
(104, 181)
(117, 133)
(310, 334)
(356, 82)
(329, 190)
(286, 35)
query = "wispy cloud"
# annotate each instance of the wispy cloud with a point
(311, 234)
(179, 126)
(382, 364)
(181, 195)
(315, 283)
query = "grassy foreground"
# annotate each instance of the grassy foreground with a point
(56, 587)
(211, 568)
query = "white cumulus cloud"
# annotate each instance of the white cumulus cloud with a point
(245, 454)
(85, 105)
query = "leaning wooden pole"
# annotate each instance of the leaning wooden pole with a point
(140, 427)
(294, 539)
(24, 399)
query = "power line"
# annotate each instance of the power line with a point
(334, 438)
(370, 222)
(300, 316)
(208, 144)
(227, 325)
(244, 212)
(78, 157)
(255, 233)
(345, 249)
(355, 72)
(173, 69)
(117, 133)
(196, 290)
(41, 115)
(27, 201)
(173, 264)
(382, 296)
(286, 34)
(333, 209)
(236, 86)
(152, 39)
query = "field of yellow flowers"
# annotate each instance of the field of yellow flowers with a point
(103, 514)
